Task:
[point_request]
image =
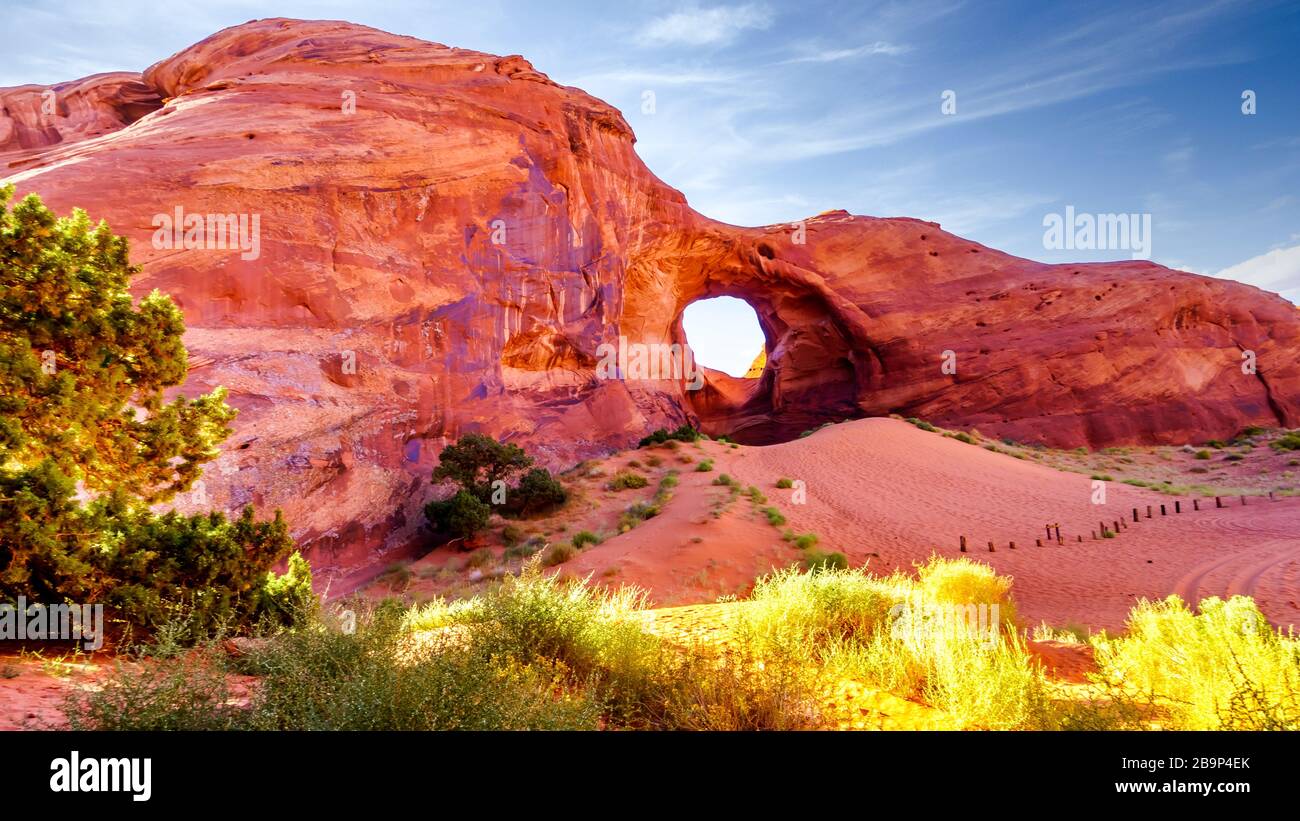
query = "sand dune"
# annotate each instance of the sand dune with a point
(888, 494)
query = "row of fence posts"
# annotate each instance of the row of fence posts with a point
(1053, 531)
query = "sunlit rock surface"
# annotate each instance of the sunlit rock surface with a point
(445, 237)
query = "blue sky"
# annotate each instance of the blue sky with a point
(723, 333)
(770, 112)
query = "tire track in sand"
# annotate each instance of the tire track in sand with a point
(1247, 581)
(1249, 569)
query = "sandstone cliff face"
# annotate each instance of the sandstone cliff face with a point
(33, 116)
(445, 237)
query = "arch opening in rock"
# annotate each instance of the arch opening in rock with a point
(810, 372)
(725, 335)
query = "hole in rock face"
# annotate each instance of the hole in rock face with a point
(774, 362)
(724, 335)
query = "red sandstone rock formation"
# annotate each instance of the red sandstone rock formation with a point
(34, 116)
(447, 236)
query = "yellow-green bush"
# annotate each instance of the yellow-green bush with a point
(810, 608)
(965, 582)
(1224, 668)
(907, 635)
(992, 685)
(541, 652)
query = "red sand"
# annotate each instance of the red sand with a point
(889, 495)
(883, 487)
(32, 692)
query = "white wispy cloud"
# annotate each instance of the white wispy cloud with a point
(1179, 160)
(1277, 270)
(705, 26)
(649, 78)
(832, 55)
(1106, 53)
(1278, 142)
(754, 205)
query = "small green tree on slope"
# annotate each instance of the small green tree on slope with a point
(480, 466)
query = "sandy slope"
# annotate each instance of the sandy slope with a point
(685, 555)
(887, 493)
(32, 692)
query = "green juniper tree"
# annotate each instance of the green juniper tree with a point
(88, 443)
(476, 462)
(480, 465)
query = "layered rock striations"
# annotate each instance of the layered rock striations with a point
(398, 242)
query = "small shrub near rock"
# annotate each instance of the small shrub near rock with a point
(821, 560)
(512, 534)
(524, 550)
(636, 514)
(288, 599)
(627, 481)
(684, 433)
(1288, 441)
(558, 554)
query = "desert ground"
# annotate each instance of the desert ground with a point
(888, 495)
